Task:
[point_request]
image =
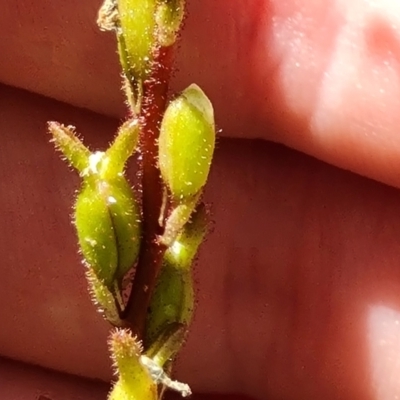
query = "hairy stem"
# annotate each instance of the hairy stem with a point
(155, 90)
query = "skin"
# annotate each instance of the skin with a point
(299, 281)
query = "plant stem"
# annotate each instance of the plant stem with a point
(155, 90)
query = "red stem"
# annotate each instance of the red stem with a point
(154, 101)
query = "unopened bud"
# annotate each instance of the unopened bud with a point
(106, 212)
(186, 143)
(137, 24)
(107, 223)
(173, 297)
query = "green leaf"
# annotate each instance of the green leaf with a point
(108, 227)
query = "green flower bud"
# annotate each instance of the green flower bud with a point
(186, 143)
(173, 297)
(109, 20)
(169, 16)
(107, 223)
(138, 25)
(172, 300)
(134, 380)
(106, 213)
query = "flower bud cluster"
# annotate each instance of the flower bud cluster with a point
(108, 217)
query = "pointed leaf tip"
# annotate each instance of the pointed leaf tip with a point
(66, 140)
(134, 380)
(121, 149)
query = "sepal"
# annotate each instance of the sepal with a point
(134, 380)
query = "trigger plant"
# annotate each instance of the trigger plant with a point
(138, 239)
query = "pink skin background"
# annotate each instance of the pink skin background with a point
(299, 282)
